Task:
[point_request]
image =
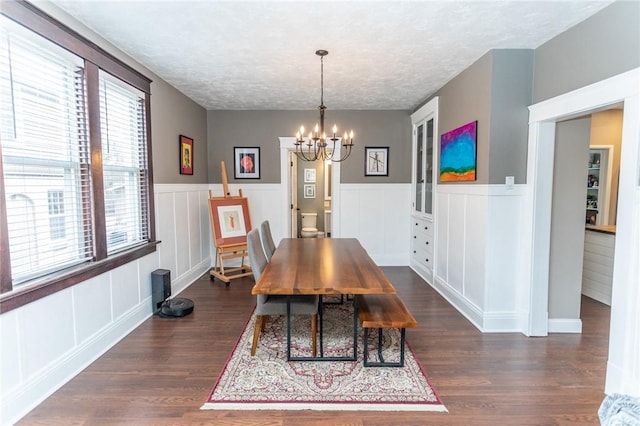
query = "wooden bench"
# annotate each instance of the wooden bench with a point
(383, 311)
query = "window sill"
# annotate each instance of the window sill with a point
(51, 284)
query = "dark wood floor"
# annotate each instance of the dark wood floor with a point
(162, 372)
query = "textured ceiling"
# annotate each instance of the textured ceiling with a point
(261, 54)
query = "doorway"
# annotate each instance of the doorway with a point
(585, 181)
(543, 118)
(310, 192)
(288, 161)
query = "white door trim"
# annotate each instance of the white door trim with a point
(542, 119)
(287, 144)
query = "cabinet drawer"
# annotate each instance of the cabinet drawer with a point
(423, 257)
(422, 241)
(422, 226)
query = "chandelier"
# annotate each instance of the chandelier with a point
(316, 146)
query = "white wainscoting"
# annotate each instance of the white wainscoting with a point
(47, 342)
(378, 216)
(477, 252)
(375, 214)
(184, 229)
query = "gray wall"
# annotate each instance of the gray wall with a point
(495, 91)
(466, 98)
(228, 129)
(512, 74)
(606, 44)
(172, 115)
(567, 217)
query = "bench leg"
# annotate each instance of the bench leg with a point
(381, 362)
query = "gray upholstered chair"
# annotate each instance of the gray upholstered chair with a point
(267, 305)
(267, 240)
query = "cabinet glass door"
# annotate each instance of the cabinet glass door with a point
(419, 168)
(428, 186)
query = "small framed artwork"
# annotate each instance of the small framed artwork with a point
(246, 162)
(309, 191)
(310, 175)
(186, 155)
(376, 161)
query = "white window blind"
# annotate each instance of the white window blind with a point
(124, 159)
(45, 154)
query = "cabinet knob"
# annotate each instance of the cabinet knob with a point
(427, 243)
(414, 252)
(416, 223)
(427, 260)
(414, 237)
(426, 227)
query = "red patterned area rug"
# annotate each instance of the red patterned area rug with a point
(267, 381)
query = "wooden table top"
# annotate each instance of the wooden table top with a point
(322, 266)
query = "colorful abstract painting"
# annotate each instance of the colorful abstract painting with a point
(458, 154)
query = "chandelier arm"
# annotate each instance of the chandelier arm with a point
(301, 154)
(348, 152)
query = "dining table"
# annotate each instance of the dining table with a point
(322, 267)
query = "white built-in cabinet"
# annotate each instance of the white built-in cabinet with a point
(423, 180)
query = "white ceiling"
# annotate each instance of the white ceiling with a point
(261, 54)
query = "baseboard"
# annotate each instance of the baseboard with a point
(466, 308)
(565, 325)
(30, 394)
(501, 322)
(185, 280)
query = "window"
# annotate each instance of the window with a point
(65, 217)
(124, 163)
(43, 145)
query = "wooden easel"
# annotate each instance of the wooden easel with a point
(230, 247)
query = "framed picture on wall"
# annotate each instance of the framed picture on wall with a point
(246, 161)
(186, 155)
(310, 175)
(310, 191)
(376, 161)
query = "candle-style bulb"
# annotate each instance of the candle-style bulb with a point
(302, 130)
(345, 138)
(335, 129)
(351, 135)
(316, 129)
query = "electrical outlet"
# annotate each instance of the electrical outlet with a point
(509, 181)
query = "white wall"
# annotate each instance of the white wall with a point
(378, 216)
(47, 342)
(478, 234)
